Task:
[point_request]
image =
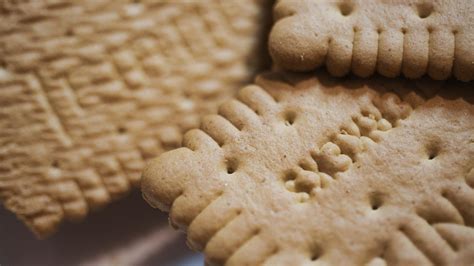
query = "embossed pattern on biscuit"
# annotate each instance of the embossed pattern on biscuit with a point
(303, 169)
(90, 90)
(409, 37)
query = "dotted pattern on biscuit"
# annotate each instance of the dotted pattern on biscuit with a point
(309, 169)
(409, 37)
(90, 90)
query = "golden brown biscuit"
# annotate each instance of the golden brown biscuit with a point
(305, 169)
(89, 90)
(394, 37)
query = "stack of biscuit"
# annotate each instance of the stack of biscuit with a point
(355, 148)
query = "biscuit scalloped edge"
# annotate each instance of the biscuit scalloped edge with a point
(411, 37)
(231, 221)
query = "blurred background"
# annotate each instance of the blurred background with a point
(149, 74)
(156, 56)
(128, 232)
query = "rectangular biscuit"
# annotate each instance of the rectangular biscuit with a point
(90, 90)
(395, 37)
(301, 169)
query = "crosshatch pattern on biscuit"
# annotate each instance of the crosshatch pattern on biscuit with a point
(301, 169)
(407, 37)
(90, 90)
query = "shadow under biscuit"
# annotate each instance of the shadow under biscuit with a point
(127, 232)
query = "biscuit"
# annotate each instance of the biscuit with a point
(300, 169)
(409, 37)
(90, 90)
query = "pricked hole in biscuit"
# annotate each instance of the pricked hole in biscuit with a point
(379, 30)
(444, 194)
(430, 29)
(455, 32)
(69, 32)
(275, 250)
(55, 164)
(432, 151)
(290, 117)
(121, 130)
(231, 165)
(376, 201)
(404, 30)
(424, 9)
(346, 8)
(401, 228)
(230, 169)
(316, 253)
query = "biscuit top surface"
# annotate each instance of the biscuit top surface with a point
(300, 169)
(409, 37)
